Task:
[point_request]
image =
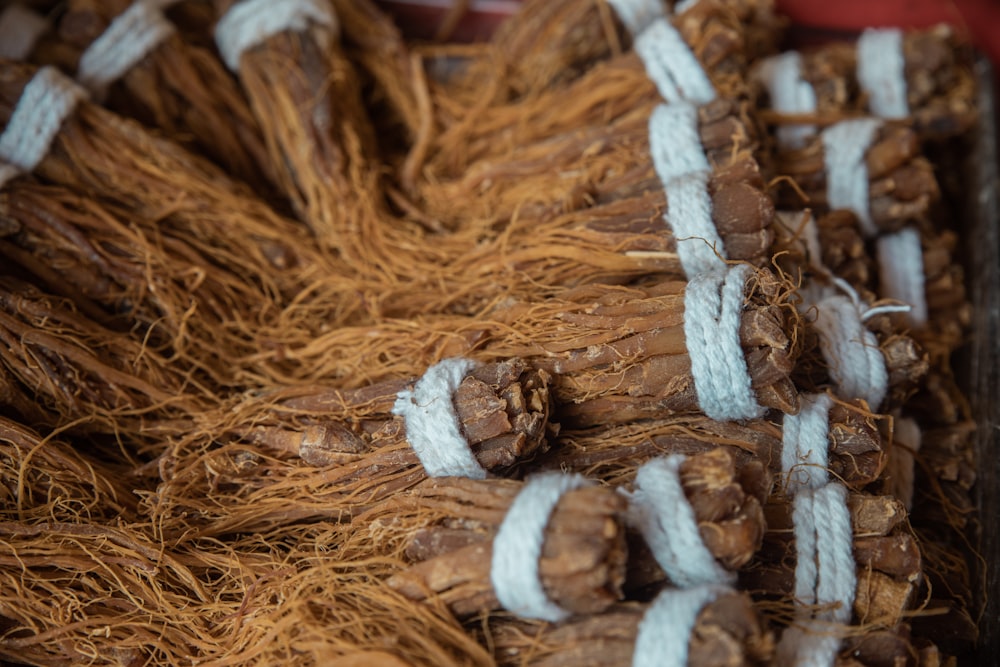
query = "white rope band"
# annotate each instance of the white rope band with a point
(683, 168)
(851, 351)
(636, 15)
(844, 148)
(132, 36)
(825, 569)
(882, 72)
(662, 513)
(518, 546)
(675, 141)
(20, 29)
(901, 272)
(713, 305)
(790, 94)
(665, 629)
(48, 99)
(250, 22)
(672, 65)
(805, 443)
(432, 426)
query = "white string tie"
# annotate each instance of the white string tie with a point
(659, 509)
(675, 141)
(432, 425)
(636, 15)
(665, 629)
(713, 305)
(851, 351)
(20, 28)
(47, 100)
(130, 37)
(250, 22)
(844, 148)
(805, 443)
(518, 546)
(672, 65)
(790, 94)
(901, 272)
(882, 72)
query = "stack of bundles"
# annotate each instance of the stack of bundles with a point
(620, 339)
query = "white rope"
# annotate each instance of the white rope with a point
(681, 164)
(882, 72)
(825, 575)
(662, 513)
(20, 28)
(518, 546)
(665, 629)
(851, 351)
(250, 22)
(636, 15)
(47, 100)
(805, 443)
(844, 148)
(901, 272)
(790, 94)
(672, 65)
(432, 426)
(713, 304)
(132, 35)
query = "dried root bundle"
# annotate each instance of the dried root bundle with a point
(937, 70)
(179, 88)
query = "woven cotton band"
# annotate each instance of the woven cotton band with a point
(901, 272)
(851, 351)
(250, 22)
(844, 148)
(20, 29)
(661, 512)
(680, 163)
(637, 14)
(825, 569)
(805, 443)
(48, 99)
(432, 426)
(665, 629)
(518, 546)
(671, 64)
(132, 36)
(713, 304)
(790, 94)
(882, 72)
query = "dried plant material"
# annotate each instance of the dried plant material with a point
(128, 273)
(284, 458)
(857, 453)
(728, 631)
(841, 246)
(901, 182)
(47, 479)
(889, 564)
(70, 371)
(449, 525)
(937, 68)
(616, 353)
(89, 591)
(179, 88)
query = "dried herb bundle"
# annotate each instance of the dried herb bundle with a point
(448, 525)
(902, 186)
(940, 86)
(857, 453)
(127, 273)
(728, 631)
(179, 88)
(299, 455)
